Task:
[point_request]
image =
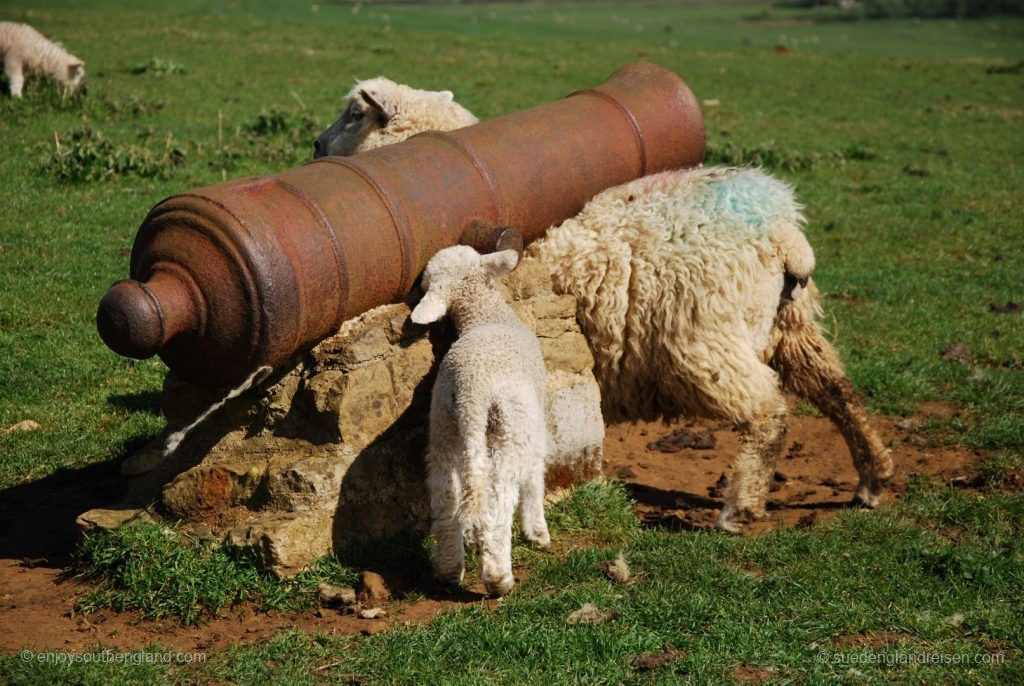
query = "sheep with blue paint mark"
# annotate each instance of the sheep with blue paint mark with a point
(693, 288)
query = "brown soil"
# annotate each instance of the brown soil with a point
(37, 532)
(815, 478)
(876, 640)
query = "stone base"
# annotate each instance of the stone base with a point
(329, 451)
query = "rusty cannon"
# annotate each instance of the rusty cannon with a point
(242, 274)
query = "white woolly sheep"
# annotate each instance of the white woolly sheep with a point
(379, 111)
(688, 286)
(25, 51)
(488, 437)
(693, 290)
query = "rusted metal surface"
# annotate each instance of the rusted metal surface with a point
(246, 273)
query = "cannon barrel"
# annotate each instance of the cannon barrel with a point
(246, 273)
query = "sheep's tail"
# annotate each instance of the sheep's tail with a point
(796, 253)
(476, 466)
(175, 439)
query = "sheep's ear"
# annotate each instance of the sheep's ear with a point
(381, 111)
(74, 69)
(430, 309)
(498, 263)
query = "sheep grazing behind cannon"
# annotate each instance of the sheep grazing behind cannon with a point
(488, 435)
(25, 51)
(694, 292)
(379, 111)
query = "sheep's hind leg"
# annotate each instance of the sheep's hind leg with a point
(761, 441)
(810, 367)
(531, 506)
(449, 554)
(735, 384)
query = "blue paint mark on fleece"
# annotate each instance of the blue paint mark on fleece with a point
(747, 196)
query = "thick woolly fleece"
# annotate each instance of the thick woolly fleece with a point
(26, 51)
(488, 435)
(681, 271)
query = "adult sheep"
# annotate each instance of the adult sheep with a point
(694, 292)
(379, 112)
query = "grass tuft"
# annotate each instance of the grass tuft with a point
(85, 154)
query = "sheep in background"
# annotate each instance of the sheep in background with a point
(26, 51)
(694, 292)
(379, 111)
(488, 437)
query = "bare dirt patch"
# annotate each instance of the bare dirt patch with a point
(672, 471)
(815, 479)
(876, 640)
(38, 594)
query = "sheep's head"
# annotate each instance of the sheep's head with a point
(75, 74)
(455, 266)
(368, 108)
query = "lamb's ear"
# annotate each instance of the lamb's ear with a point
(497, 264)
(430, 309)
(382, 112)
(75, 68)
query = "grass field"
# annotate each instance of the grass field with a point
(904, 140)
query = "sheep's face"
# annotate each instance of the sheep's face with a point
(75, 75)
(452, 267)
(363, 114)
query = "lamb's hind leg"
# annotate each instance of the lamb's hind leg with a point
(531, 507)
(735, 384)
(449, 554)
(495, 540)
(809, 366)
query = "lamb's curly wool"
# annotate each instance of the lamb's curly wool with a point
(25, 51)
(379, 112)
(693, 290)
(488, 434)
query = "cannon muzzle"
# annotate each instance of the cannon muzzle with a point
(231, 277)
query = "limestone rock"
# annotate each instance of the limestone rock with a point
(105, 519)
(328, 594)
(285, 543)
(328, 452)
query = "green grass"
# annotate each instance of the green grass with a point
(942, 573)
(902, 139)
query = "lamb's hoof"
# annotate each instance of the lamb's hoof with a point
(500, 587)
(452, 577)
(539, 540)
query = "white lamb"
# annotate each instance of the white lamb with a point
(693, 290)
(379, 111)
(26, 51)
(488, 437)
